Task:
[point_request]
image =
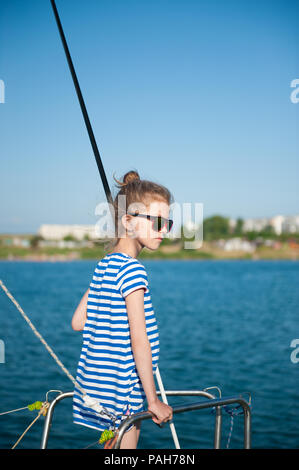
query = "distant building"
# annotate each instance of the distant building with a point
(291, 224)
(277, 224)
(64, 243)
(236, 244)
(232, 224)
(281, 224)
(58, 232)
(23, 242)
(255, 225)
(16, 241)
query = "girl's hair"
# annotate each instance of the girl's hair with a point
(135, 190)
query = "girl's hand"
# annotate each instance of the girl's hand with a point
(160, 411)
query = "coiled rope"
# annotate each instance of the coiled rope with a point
(233, 411)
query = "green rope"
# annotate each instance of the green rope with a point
(106, 435)
(34, 406)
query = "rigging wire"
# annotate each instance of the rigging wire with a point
(82, 105)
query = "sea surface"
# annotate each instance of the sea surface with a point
(225, 324)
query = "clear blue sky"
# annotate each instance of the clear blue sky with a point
(195, 95)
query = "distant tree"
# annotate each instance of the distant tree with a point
(252, 235)
(238, 230)
(269, 230)
(285, 236)
(169, 241)
(215, 227)
(34, 241)
(69, 238)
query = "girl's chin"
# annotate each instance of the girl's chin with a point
(153, 244)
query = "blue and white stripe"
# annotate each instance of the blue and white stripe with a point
(106, 369)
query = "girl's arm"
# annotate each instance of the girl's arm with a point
(79, 317)
(143, 355)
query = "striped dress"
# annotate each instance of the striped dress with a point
(106, 369)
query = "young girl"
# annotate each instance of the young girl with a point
(120, 349)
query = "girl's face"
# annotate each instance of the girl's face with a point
(143, 228)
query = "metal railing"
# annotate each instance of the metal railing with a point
(211, 402)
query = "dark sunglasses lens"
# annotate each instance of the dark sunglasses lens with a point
(169, 225)
(160, 222)
(157, 224)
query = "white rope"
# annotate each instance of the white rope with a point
(49, 349)
(13, 411)
(43, 411)
(163, 395)
(90, 402)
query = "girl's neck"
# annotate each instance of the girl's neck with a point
(128, 246)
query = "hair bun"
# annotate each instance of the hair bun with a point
(128, 178)
(131, 176)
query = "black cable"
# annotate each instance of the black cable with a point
(83, 107)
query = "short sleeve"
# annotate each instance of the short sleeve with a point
(132, 276)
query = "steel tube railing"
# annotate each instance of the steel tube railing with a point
(61, 396)
(216, 402)
(49, 416)
(210, 403)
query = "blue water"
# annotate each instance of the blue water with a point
(222, 323)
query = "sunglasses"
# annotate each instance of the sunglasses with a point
(158, 222)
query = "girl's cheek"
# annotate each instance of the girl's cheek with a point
(144, 231)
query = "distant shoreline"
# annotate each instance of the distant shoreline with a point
(175, 251)
(22, 260)
(155, 257)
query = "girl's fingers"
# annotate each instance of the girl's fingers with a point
(155, 419)
(162, 421)
(169, 418)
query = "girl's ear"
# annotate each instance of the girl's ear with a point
(130, 225)
(125, 220)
